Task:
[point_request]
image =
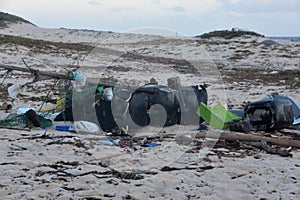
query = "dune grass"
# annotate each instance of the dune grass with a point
(42, 45)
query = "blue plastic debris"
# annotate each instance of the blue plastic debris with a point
(151, 144)
(65, 128)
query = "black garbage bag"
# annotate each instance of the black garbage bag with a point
(141, 102)
(170, 108)
(273, 112)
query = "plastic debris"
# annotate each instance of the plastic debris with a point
(151, 144)
(108, 93)
(86, 127)
(23, 110)
(270, 113)
(184, 139)
(218, 117)
(23, 121)
(65, 128)
(14, 90)
(106, 142)
(46, 107)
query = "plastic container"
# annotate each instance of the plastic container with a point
(108, 94)
(151, 144)
(218, 117)
(33, 118)
(65, 128)
(46, 107)
(14, 90)
(60, 104)
(86, 127)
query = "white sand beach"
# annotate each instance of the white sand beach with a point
(49, 164)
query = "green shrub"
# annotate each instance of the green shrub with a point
(6, 19)
(229, 34)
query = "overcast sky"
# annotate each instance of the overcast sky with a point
(188, 17)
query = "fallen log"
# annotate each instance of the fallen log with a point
(234, 136)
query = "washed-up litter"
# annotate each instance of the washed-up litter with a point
(218, 117)
(24, 110)
(6, 106)
(106, 142)
(273, 112)
(109, 142)
(86, 127)
(74, 141)
(65, 128)
(89, 97)
(33, 118)
(46, 107)
(296, 121)
(133, 110)
(22, 120)
(184, 139)
(14, 90)
(140, 106)
(151, 144)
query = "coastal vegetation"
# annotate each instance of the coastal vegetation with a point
(42, 45)
(229, 34)
(6, 19)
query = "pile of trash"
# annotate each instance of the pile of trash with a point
(273, 112)
(88, 108)
(116, 109)
(111, 108)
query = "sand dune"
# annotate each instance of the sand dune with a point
(48, 164)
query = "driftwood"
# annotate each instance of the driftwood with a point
(233, 136)
(15, 128)
(54, 75)
(272, 149)
(36, 72)
(227, 135)
(290, 132)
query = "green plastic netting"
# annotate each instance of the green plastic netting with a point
(23, 121)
